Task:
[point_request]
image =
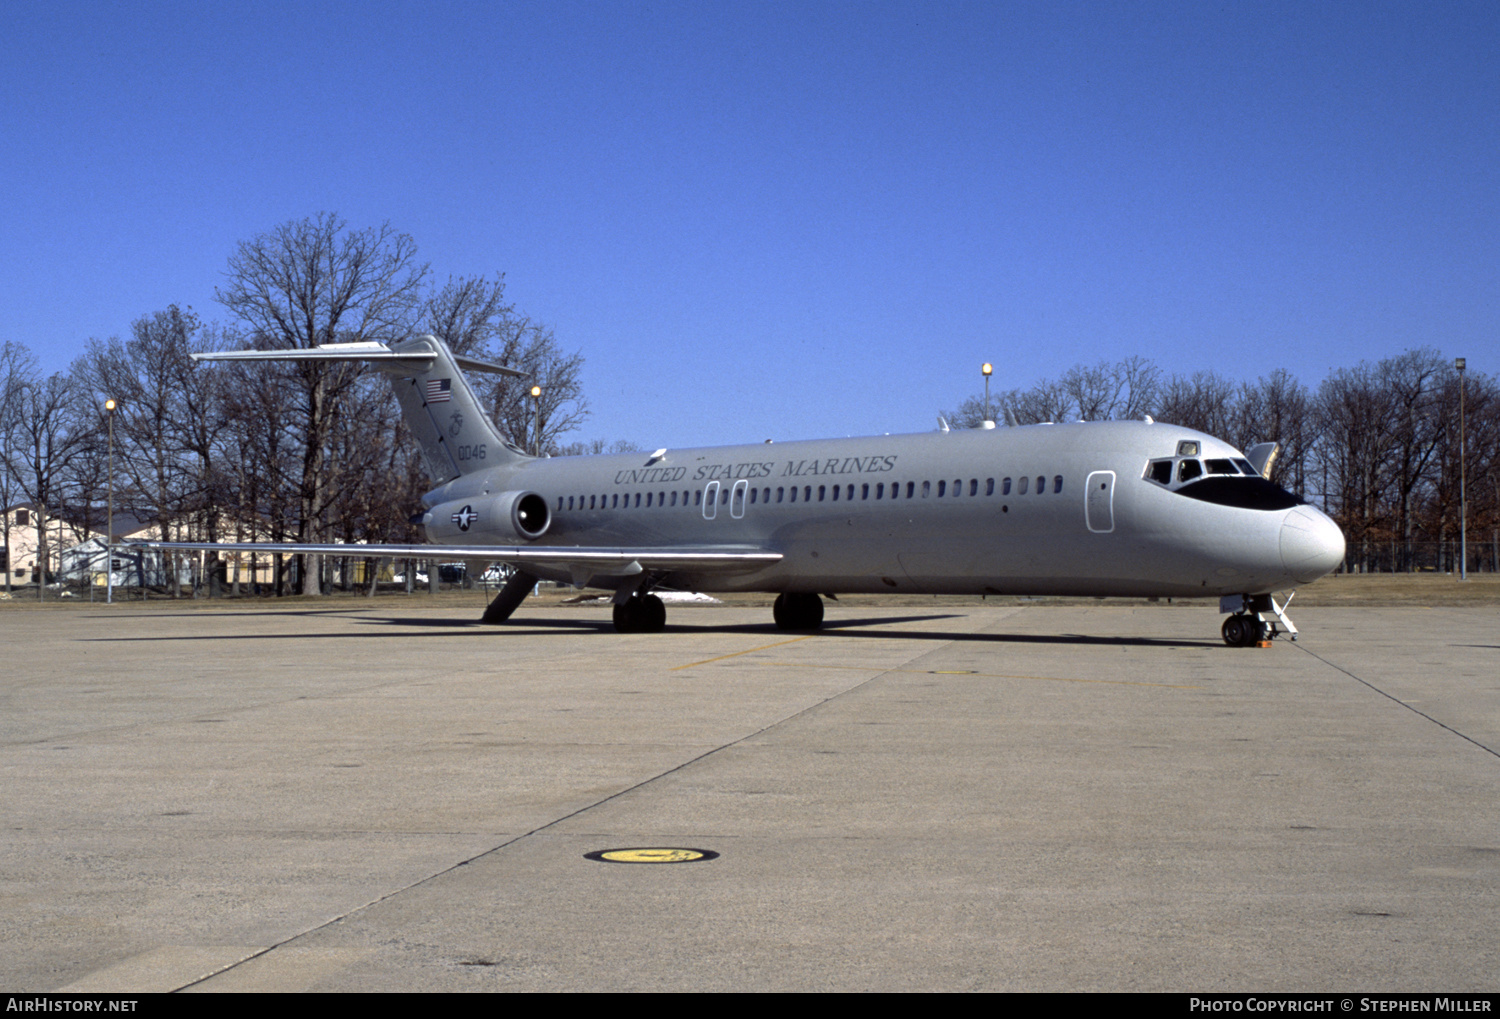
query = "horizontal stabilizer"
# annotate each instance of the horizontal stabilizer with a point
(372, 352)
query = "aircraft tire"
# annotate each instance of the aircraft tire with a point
(641, 615)
(1240, 630)
(653, 614)
(797, 612)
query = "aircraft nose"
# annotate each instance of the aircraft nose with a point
(1311, 544)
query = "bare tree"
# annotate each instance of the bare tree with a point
(1414, 386)
(168, 415)
(595, 447)
(17, 368)
(1095, 392)
(468, 313)
(471, 316)
(1123, 390)
(49, 434)
(314, 281)
(1204, 402)
(1276, 409)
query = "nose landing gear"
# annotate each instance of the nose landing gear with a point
(1256, 617)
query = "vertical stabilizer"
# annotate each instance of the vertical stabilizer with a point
(450, 425)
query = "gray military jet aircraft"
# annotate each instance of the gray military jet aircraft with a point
(1124, 508)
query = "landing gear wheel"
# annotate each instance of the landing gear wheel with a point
(653, 614)
(1241, 630)
(798, 612)
(641, 615)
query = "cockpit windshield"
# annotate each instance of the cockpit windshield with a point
(1225, 481)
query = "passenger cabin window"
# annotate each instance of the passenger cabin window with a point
(942, 486)
(1021, 488)
(1005, 487)
(1041, 486)
(1057, 485)
(989, 486)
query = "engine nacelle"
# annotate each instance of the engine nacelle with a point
(504, 518)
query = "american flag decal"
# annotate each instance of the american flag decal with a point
(439, 390)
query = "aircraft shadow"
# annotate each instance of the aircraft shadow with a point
(402, 626)
(245, 612)
(839, 628)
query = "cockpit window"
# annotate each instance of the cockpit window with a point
(1226, 481)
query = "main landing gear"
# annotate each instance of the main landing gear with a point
(641, 614)
(1257, 617)
(798, 611)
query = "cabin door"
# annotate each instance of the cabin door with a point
(1099, 502)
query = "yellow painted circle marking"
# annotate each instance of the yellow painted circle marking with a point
(652, 854)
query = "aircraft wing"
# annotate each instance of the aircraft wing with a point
(599, 561)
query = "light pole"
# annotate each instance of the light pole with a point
(109, 512)
(536, 405)
(987, 369)
(1463, 509)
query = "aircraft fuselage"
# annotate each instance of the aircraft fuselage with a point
(1034, 510)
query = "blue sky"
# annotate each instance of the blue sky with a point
(761, 220)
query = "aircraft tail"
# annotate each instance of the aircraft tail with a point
(451, 427)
